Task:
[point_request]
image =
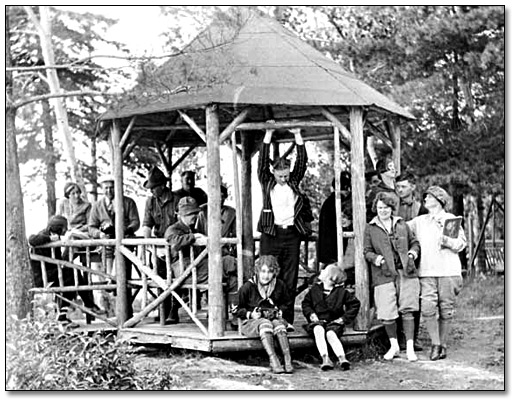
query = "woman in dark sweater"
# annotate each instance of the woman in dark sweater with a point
(391, 249)
(262, 301)
(328, 307)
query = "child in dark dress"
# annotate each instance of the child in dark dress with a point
(262, 301)
(328, 307)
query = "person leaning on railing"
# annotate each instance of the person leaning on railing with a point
(102, 225)
(182, 236)
(56, 227)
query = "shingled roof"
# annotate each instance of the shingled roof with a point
(246, 59)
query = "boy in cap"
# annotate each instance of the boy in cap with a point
(102, 225)
(440, 271)
(160, 208)
(182, 236)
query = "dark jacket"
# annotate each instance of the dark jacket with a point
(327, 236)
(249, 298)
(379, 242)
(266, 222)
(181, 238)
(160, 213)
(339, 303)
(44, 237)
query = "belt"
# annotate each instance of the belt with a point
(284, 227)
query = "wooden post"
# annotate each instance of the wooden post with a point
(216, 294)
(337, 193)
(117, 170)
(247, 206)
(395, 136)
(239, 230)
(359, 209)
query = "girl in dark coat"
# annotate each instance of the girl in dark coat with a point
(328, 307)
(391, 249)
(262, 302)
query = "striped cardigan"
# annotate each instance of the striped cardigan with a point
(265, 176)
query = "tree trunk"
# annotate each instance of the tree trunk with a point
(44, 31)
(50, 159)
(18, 275)
(92, 194)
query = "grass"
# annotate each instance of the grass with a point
(481, 296)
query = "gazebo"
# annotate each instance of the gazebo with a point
(245, 69)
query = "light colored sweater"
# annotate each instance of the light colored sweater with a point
(437, 260)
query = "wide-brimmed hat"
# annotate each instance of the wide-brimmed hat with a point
(155, 178)
(107, 178)
(440, 195)
(187, 205)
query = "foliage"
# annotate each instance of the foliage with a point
(43, 355)
(444, 63)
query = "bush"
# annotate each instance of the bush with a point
(42, 355)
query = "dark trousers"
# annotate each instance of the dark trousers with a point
(285, 246)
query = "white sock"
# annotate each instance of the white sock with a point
(393, 351)
(410, 352)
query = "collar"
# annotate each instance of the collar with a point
(378, 223)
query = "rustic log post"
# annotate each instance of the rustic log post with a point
(239, 227)
(117, 170)
(247, 206)
(359, 210)
(395, 136)
(337, 193)
(215, 295)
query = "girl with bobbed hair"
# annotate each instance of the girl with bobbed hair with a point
(328, 307)
(391, 248)
(75, 210)
(262, 301)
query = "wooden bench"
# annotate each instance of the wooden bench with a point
(495, 259)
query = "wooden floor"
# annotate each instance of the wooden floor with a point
(186, 335)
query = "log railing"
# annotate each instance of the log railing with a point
(145, 256)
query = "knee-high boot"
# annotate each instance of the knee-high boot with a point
(268, 343)
(284, 345)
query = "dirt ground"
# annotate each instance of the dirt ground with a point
(475, 362)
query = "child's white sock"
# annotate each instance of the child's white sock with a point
(393, 351)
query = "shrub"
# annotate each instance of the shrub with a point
(42, 355)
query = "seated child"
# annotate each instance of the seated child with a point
(262, 301)
(328, 307)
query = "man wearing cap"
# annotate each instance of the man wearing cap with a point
(188, 189)
(102, 216)
(440, 271)
(102, 222)
(327, 236)
(159, 211)
(182, 236)
(282, 220)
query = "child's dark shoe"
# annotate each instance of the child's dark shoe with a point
(327, 364)
(344, 363)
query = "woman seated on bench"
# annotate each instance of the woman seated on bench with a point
(262, 301)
